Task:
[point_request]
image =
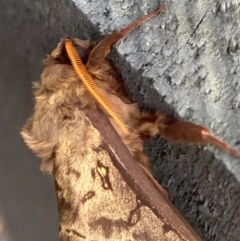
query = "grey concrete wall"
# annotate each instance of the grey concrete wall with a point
(185, 62)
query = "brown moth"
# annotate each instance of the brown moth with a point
(104, 187)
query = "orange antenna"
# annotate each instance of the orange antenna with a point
(97, 55)
(91, 86)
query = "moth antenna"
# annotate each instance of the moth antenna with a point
(99, 53)
(91, 86)
(219, 143)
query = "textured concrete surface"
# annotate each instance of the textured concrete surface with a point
(185, 62)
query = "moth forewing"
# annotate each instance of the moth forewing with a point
(157, 216)
(102, 192)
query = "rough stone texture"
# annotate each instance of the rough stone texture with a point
(184, 62)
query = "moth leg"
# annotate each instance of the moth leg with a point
(180, 131)
(99, 53)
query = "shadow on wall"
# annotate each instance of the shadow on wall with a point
(30, 30)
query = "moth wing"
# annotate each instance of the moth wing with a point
(96, 200)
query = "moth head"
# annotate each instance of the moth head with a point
(59, 55)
